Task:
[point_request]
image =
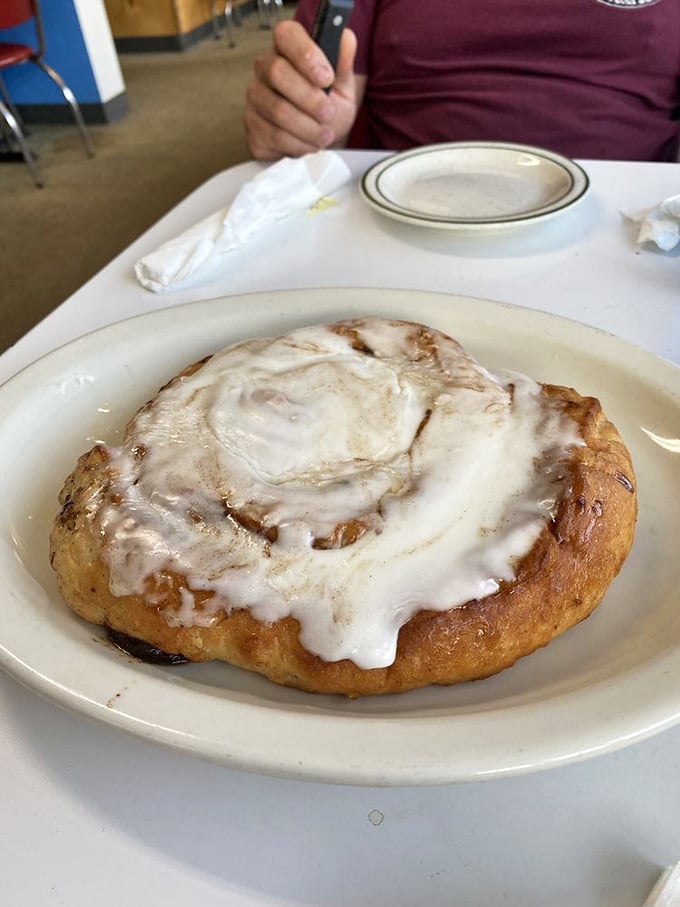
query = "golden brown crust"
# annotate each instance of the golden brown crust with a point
(557, 584)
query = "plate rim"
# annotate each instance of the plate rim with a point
(579, 186)
(366, 768)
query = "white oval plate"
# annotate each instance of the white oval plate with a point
(474, 185)
(602, 685)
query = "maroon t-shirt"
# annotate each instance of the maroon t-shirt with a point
(586, 78)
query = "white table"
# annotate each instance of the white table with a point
(91, 815)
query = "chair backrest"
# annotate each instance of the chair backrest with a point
(14, 12)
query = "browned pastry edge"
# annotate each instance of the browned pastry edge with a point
(557, 584)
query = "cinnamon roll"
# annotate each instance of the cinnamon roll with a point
(351, 508)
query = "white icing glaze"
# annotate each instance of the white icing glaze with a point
(448, 473)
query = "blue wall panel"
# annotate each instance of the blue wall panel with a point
(66, 52)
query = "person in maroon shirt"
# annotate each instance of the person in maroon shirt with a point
(584, 78)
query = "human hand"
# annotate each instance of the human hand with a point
(287, 112)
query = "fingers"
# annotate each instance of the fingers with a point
(292, 42)
(345, 66)
(285, 115)
(267, 140)
(276, 77)
(287, 111)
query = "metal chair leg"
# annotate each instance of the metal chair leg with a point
(214, 20)
(229, 19)
(10, 120)
(4, 95)
(70, 98)
(263, 13)
(6, 136)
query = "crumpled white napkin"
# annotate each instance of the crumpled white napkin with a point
(666, 892)
(660, 225)
(290, 186)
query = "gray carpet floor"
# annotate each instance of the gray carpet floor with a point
(184, 124)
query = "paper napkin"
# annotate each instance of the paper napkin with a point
(287, 188)
(666, 892)
(660, 225)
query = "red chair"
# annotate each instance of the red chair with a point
(16, 12)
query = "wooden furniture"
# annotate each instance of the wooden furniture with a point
(141, 25)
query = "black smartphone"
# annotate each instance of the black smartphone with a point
(329, 22)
